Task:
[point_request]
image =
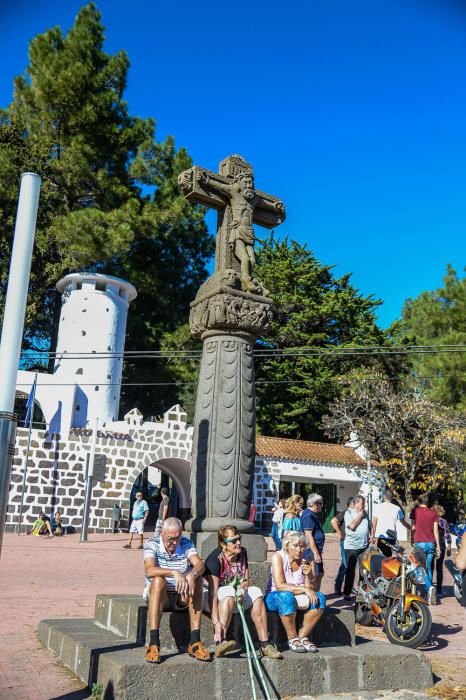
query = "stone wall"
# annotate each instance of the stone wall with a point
(57, 469)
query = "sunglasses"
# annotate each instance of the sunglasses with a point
(174, 539)
(233, 539)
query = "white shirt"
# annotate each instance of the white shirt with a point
(387, 515)
(278, 515)
(154, 548)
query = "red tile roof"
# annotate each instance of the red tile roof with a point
(306, 451)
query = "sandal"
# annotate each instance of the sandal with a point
(199, 652)
(295, 644)
(308, 645)
(153, 654)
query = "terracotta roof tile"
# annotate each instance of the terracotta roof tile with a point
(306, 451)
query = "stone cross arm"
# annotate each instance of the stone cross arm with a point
(205, 187)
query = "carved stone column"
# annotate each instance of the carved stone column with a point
(230, 311)
(224, 434)
(228, 320)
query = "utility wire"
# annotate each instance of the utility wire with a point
(259, 353)
(337, 380)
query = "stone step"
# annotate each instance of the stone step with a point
(126, 616)
(97, 655)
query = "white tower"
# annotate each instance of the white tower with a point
(91, 341)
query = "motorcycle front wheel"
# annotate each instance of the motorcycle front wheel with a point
(413, 630)
(457, 592)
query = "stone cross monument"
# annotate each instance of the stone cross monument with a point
(230, 311)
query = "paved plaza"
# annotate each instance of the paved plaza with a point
(60, 577)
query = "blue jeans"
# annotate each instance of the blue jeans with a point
(284, 602)
(342, 570)
(429, 549)
(274, 535)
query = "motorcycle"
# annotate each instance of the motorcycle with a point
(387, 593)
(457, 575)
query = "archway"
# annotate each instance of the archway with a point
(176, 467)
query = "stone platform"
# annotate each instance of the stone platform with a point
(108, 649)
(126, 617)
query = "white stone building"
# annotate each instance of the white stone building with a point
(85, 385)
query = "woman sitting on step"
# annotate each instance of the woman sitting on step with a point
(227, 572)
(291, 589)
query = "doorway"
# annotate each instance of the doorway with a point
(327, 491)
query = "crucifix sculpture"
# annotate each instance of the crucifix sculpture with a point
(230, 311)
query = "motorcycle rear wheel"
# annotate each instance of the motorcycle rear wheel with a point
(421, 629)
(363, 615)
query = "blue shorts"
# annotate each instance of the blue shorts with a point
(284, 602)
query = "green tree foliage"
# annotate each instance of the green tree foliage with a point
(314, 310)
(419, 444)
(439, 318)
(109, 199)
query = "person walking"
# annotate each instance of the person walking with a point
(277, 522)
(425, 534)
(312, 528)
(445, 547)
(338, 524)
(139, 515)
(460, 563)
(385, 518)
(164, 509)
(357, 535)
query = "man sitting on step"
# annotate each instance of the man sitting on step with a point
(173, 582)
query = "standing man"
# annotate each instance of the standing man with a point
(338, 524)
(425, 532)
(357, 535)
(164, 509)
(386, 516)
(460, 563)
(139, 515)
(173, 582)
(312, 528)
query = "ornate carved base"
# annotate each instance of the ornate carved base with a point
(224, 434)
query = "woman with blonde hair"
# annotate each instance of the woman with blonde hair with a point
(292, 517)
(228, 575)
(292, 588)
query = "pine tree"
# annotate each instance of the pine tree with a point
(317, 311)
(436, 318)
(69, 123)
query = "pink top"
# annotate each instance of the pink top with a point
(295, 578)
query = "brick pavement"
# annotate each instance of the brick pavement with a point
(60, 577)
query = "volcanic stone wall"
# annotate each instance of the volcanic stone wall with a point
(57, 470)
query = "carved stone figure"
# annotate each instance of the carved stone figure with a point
(240, 205)
(230, 311)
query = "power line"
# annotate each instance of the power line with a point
(338, 380)
(357, 351)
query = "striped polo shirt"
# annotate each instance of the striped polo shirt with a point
(154, 548)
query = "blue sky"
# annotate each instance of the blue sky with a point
(352, 111)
